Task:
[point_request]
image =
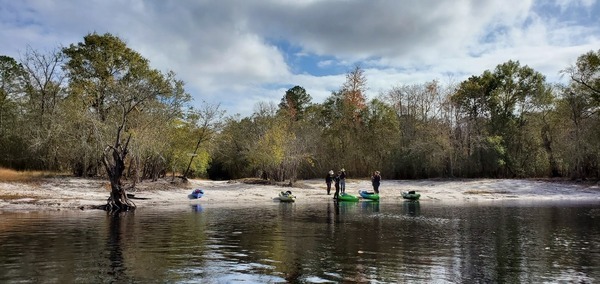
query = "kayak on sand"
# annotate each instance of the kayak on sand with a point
(347, 197)
(368, 195)
(411, 195)
(286, 196)
(197, 193)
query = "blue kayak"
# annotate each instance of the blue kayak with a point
(197, 193)
(368, 195)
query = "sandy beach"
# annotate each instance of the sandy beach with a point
(66, 193)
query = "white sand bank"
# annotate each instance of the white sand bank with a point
(76, 193)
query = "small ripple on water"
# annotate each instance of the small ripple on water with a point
(419, 219)
(389, 246)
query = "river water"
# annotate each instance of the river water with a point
(326, 242)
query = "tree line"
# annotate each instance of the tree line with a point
(83, 107)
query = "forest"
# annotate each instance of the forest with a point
(98, 108)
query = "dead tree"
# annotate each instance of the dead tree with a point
(113, 159)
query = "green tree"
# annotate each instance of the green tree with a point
(268, 150)
(230, 154)
(582, 100)
(296, 123)
(381, 138)
(12, 142)
(473, 116)
(500, 106)
(343, 124)
(294, 102)
(120, 95)
(206, 122)
(585, 74)
(577, 145)
(519, 93)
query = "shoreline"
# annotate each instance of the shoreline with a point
(69, 193)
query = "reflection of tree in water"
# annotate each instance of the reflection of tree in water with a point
(113, 246)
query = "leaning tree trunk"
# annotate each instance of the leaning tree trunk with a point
(114, 162)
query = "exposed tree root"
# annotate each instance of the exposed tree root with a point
(118, 201)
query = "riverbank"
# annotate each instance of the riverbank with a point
(64, 193)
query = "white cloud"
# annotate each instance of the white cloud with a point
(226, 50)
(325, 63)
(565, 4)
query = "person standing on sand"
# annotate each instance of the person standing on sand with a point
(336, 180)
(376, 180)
(343, 180)
(328, 181)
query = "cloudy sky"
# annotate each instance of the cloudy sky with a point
(240, 52)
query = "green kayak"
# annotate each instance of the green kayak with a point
(411, 195)
(347, 197)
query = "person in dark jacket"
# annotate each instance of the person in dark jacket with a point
(376, 180)
(336, 180)
(328, 181)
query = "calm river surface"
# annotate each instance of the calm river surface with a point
(307, 243)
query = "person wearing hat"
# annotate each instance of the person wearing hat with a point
(329, 180)
(376, 180)
(343, 180)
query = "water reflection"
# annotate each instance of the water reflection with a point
(369, 206)
(117, 268)
(345, 207)
(297, 243)
(411, 207)
(197, 208)
(286, 209)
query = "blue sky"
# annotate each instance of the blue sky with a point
(237, 53)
